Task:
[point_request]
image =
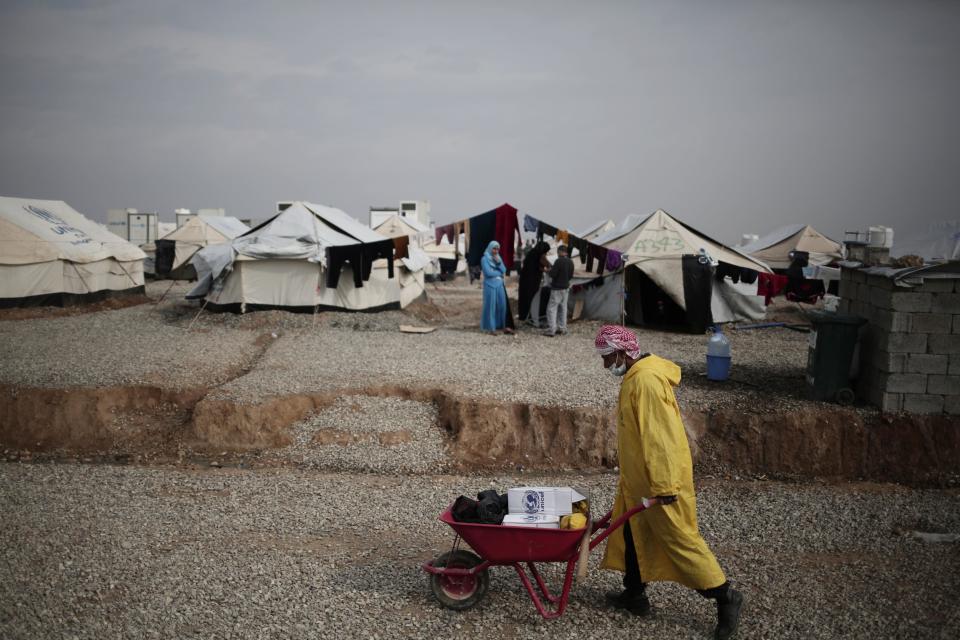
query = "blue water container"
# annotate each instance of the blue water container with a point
(718, 356)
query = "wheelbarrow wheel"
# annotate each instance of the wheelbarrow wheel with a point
(459, 592)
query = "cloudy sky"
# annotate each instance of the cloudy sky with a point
(734, 116)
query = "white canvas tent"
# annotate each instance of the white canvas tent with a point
(396, 226)
(52, 254)
(932, 242)
(175, 250)
(654, 246)
(596, 230)
(283, 263)
(774, 248)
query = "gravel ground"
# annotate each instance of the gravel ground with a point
(132, 346)
(155, 345)
(364, 434)
(125, 552)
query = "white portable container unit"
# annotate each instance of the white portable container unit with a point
(553, 501)
(537, 521)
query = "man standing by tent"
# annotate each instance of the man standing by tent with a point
(560, 274)
(662, 543)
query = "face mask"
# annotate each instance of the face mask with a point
(617, 371)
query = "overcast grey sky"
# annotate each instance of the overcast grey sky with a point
(733, 116)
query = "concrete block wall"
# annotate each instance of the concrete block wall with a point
(910, 346)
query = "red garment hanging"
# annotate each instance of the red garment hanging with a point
(770, 285)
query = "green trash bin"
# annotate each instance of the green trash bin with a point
(832, 343)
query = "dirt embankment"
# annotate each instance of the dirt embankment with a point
(914, 449)
(839, 443)
(87, 420)
(482, 434)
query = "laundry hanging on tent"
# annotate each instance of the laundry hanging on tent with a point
(805, 291)
(748, 276)
(483, 229)
(361, 258)
(588, 252)
(544, 229)
(614, 260)
(735, 273)
(598, 254)
(445, 230)
(461, 227)
(339, 256)
(770, 285)
(506, 232)
(401, 246)
(448, 266)
(376, 251)
(530, 223)
(582, 246)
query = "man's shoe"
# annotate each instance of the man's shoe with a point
(635, 602)
(728, 616)
(549, 334)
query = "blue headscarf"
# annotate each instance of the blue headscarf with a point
(489, 252)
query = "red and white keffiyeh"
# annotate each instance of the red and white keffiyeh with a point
(613, 338)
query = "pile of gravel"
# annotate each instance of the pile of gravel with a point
(366, 434)
(100, 551)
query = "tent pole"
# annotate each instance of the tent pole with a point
(316, 307)
(206, 300)
(623, 291)
(172, 282)
(198, 313)
(79, 275)
(125, 271)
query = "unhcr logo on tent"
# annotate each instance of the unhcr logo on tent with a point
(60, 226)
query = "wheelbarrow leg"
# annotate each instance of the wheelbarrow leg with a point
(542, 584)
(561, 602)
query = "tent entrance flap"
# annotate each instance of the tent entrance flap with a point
(697, 291)
(650, 304)
(165, 255)
(647, 303)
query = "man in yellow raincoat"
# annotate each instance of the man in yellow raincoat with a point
(662, 543)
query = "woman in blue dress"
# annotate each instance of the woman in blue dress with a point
(494, 316)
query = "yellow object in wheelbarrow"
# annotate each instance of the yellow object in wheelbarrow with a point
(573, 521)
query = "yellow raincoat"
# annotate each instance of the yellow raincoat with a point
(655, 461)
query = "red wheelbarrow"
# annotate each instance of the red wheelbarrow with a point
(459, 578)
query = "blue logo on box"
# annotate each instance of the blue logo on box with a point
(533, 501)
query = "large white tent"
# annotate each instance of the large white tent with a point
(774, 248)
(175, 250)
(51, 254)
(655, 246)
(284, 263)
(933, 242)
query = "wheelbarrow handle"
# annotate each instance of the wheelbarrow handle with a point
(603, 522)
(610, 527)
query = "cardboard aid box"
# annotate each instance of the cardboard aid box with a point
(551, 501)
(537, 521)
